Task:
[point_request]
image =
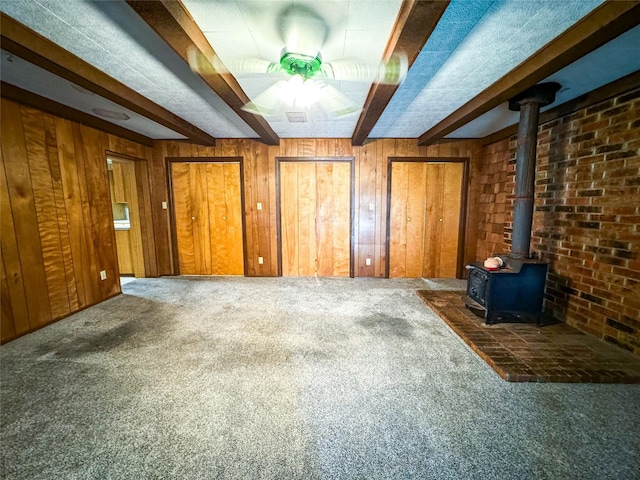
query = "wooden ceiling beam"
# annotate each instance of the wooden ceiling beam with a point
(610, 90)
(171, 21)
(31, 99)
(34, 48)
(416, 21)
(603, 24)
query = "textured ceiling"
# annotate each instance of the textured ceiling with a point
(110, 36)
(358, 30)
(475, 43)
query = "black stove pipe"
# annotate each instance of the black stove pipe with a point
(529, 103)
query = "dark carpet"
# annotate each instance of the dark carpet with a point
(291, 378)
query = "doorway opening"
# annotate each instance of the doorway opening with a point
(129, 218)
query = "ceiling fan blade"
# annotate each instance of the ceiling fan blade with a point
(392, 72)
(334, 102)
(268, 102)
(199, 63)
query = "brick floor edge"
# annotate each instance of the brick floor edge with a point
(524, 352)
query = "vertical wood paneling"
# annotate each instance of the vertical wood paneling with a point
(367, 167)
(425, 218)
(56, 217)
(160, 216)
(251, 213)
(61, 213)
(325, 206)
(144, 196)
(181, 183)
(20, 190)
(125, 256)
(451, 209)
(370, 187)
(415, 206)
(307, 248)
(341, 219)
(233, 220)
(436, 180)
(398, 220)
(11, 258)
(89, 273)
(45, 204)
(262, 175)
(289, 197)
(217, 207)
(7, 326)
(136, 213)
(98, 197)
(200, 217)
(119, 195)
(208, 215)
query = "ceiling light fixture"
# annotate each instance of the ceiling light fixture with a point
(299, 92)
(82, 90)
(102, 112)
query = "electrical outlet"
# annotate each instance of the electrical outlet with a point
(260, 260)
(164, 205)
(367, 262)
(259, 206)
(103, 274)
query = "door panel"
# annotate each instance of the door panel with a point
(415, 219)
(424, 219)
(341, 220)
(182, 200)
(289, 217)
(315, 212)
(234, 250)
(200, 218)
(208, 215)
(398, 219)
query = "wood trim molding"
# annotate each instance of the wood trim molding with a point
(30, 99)
(415, 23)
(463, 206)
(34, 48)
(603, 24)
(174, 25)
(610, 90)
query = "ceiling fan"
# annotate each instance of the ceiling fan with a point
(301, 77)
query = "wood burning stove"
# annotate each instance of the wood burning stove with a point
(511, 294)
(516, 292)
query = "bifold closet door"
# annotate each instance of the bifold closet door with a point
(425, 209)
(315, 216)
(208, 217)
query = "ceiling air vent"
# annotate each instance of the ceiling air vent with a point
(296, 117)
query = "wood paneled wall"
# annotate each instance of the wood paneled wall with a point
(57, 231)
(260, 187)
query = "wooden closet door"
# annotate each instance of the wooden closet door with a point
(225, 218)
(208, 218)
(424, 219)
(315, 213)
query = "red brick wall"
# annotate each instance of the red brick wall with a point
(586, 219)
